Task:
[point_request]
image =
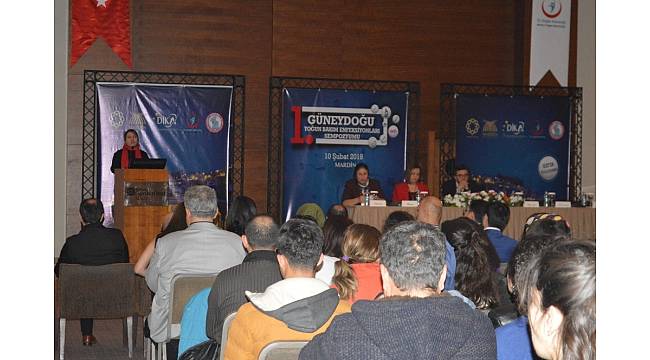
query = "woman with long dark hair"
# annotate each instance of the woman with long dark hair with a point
(558, 289)
(241, 211)
(475, 272)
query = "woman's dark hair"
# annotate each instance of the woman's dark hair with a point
(241, 211)
(407, 173)
(564, 275)
(177, 221)
(333, 231)
(360, 166)
(475, 274)
(131, 131)
(543, 224)
(395, 218)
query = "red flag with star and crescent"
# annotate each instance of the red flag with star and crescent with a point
(106, 19)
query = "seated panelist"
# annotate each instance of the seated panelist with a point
(123, 158)
(412, 184)
(462, 182)
(353, 192)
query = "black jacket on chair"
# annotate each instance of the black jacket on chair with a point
(94, 245)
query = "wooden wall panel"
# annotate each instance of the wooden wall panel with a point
(426, 41)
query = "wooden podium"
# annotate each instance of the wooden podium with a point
(140, 197)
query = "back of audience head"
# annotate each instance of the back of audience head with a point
(395, 218)
(360, 245)
(477, 210)
(300, 245)
(430, 210)
(241, 211)
(334, 232)
(177, 221)
(313, 210)
(91, 211)
(337, 210)
(498, 215)
(558, 288)
(413, 260)
(261, 233)
(475, 273)
(200, 203)
(527, 248)
(543, 224)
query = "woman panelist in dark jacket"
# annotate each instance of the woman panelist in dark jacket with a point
(353, 192)
(123, 158)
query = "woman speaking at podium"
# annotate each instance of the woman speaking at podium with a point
(353, 191)
(123, 158)
(412, 184)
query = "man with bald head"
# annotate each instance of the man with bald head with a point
(258, 270)
(430, 212)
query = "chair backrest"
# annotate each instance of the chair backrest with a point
(224, 334)
(100, 292)
(282, 350)
(183, 287)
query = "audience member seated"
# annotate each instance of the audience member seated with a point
(477, 210)
(558, 290)
(475, 276)
(258, 270)
(412, 184)
(496, 219)
(313, 210)
(513, 339)
(202, 248)
(93, 245)
(430, 212)
(296, 308)
(395, 218)
(337, 210)
(333, 232)
(353, 191)
(241, 211)
(544, 224)
(415, 319)
(462, 182)
(357, 274)
(174, 221)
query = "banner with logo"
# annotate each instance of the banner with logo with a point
(188, 125)
(516, 143)
(549, 40)
(326, 132)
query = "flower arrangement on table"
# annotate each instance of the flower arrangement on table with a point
(463, 199)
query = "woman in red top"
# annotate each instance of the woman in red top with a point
(356, 275)
(408, 189)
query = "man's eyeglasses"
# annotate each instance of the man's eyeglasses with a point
(462, 175)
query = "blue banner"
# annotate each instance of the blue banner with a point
(187, 125)
(327, 132)
(516, 143)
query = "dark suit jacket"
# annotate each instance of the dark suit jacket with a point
(117, 158)
(258, 270)
(449, 187)
(352, 189)
(94, 245)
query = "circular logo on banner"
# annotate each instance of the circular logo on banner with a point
(556, 130)
(393, 131)
(116, 119)
(372, 142)
(214, 122)
(548, 168)
(551, 8)
(472, 126)
(395, 119)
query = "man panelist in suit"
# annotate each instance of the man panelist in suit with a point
(93, 245)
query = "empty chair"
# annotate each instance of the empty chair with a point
(97, 292)
(282, 350)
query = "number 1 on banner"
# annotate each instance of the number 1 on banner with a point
(297, 134)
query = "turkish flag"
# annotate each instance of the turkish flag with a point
(108, 19)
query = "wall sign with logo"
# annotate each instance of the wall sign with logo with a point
(145, 193)
(189, 125)
(549, 40)
(516, 143)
